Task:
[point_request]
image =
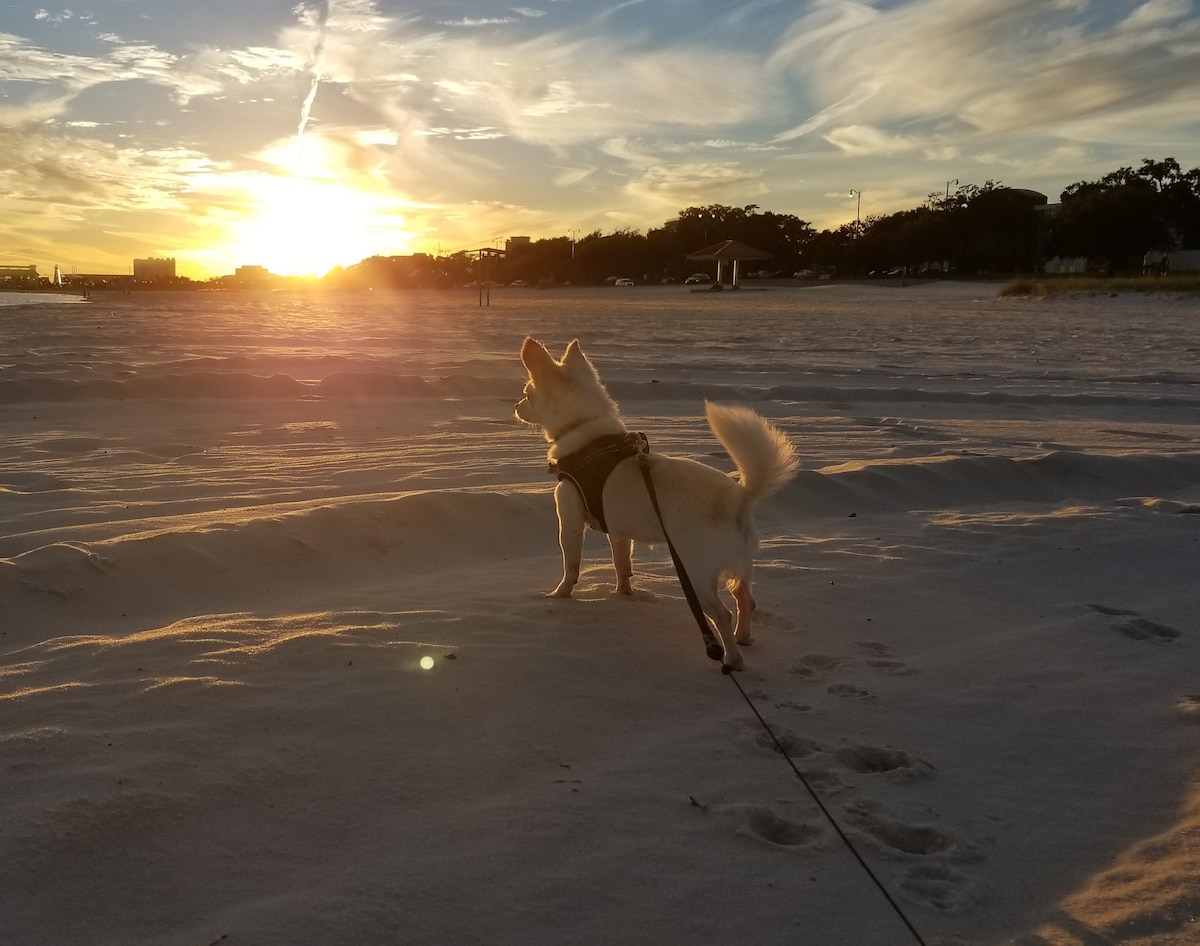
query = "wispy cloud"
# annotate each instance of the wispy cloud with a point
(582, 113)
(480, 21)
(997, 68)
(42, 169)
(61, 76)
(866, 139)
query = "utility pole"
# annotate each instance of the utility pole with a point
(857, 229)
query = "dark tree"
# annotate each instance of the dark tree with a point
(542, 261)
(1001, 229)
(784, 236)
(621, 254)
(1118, 218)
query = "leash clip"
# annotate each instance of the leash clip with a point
(642, 443)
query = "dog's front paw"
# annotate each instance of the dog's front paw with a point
(732, 662)
(562, 591)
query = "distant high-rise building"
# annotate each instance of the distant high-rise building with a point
(154, 268)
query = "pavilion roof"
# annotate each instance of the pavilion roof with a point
(729, 250)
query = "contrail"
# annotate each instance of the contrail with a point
(314, 66)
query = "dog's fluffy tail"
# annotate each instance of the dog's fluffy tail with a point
(764, 456)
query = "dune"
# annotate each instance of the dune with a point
(278, 668)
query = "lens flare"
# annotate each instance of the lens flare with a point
(426, 662)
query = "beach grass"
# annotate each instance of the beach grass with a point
(1051, 286)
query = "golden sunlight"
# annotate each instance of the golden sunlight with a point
(310, 215)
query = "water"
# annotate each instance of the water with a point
(9, 298)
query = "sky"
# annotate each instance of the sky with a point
(303, 135)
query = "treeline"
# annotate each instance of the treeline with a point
(986, 229)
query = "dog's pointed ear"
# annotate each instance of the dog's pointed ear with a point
(535, 358)
(575, 357)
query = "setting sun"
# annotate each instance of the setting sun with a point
(309, 214)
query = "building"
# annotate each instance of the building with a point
(154, 268)
(20, 277)
(1183, 261)
(252, 275)
(1068, 264)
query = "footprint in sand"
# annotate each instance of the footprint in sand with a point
(824, 780)
(800, 748)
(775, 622)
(899, 839)
(766, 825)
(849, 691)
(881, 658)
(942, 887)
(890, 666)
(1139, 629)
(792, 743)
(882, 760)
(792, 705)
(1111, 612)
(811, 666)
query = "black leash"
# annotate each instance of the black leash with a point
(713, 648)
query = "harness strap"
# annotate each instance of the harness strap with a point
(712, 646)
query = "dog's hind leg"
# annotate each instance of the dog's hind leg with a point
(622, 556)
(745, 608)
(711, 605)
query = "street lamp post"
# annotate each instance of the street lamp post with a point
(948, 183)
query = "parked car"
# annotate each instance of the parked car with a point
(804, 274)
(623, 282)
(698, 279)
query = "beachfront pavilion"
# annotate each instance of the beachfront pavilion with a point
(729, 252)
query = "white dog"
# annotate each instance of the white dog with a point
(708, 515)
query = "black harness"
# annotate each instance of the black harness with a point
(589, 468)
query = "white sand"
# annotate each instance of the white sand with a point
(231, 527)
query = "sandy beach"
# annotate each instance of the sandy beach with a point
(232, 525)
